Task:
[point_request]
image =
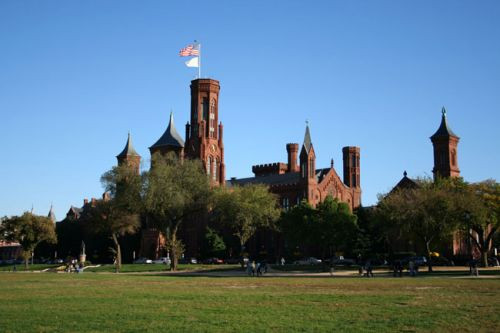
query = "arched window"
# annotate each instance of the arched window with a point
(209, 165)
(303, 170)
(214, 169)
(212, 118)
(453, 157)
(311, 168)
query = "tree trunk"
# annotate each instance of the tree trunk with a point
(118, 266)
(173, 250)
(484, 258)
(429, 262)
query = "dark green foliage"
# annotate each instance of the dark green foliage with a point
(29, 230)
(213, 244)
(119, 215)
(479, 206)
(323, 231)
(426, 214)
(245, 209)
(175, 191)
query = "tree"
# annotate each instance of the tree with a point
(426, 213)
(120, 214)
(330, 227)
(29, 230)
(298, 225)
(244, 209)
(480, 204)
(213, 244)
(175, 192)
(337, 226)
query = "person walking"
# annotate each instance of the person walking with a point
(411, 267)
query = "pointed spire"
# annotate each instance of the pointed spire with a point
(307, 138)
(52, 215)
(170, 137)
(444, 130)
(129, 148)
(405, 174)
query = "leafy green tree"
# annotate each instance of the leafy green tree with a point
(213, 244)
(330, 226)
(297, 225)
(120, 214)
(175, 191)
(29, 230)
(480, 205)
(427, 213)
(337, 226)
(244, 209)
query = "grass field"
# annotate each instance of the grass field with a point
(126, 268)
(45, 302)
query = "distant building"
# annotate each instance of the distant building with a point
(292, 182)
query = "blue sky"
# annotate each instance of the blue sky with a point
(76, 76)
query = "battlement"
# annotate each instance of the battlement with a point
(269, 169)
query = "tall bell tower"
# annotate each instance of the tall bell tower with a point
(445, 143)
(204, 133)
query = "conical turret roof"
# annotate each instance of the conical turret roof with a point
(170, 137)
(307, 139)
(444, 130)
(52, 215)
(129, 149)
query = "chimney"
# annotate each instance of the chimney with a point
(292, 150)
(188, 131)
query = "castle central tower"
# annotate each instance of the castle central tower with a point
(204, 134)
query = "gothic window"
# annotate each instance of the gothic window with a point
(353, 158)
(285, 203)
(209, 164)
(453, 157)
(212, 118)
(214, 169)
(353, 180)
(205, 113)
(217, 177)
(303, 170)
(311, 168)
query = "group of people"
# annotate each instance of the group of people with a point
(74, 266)
(397, 268)
(256, 269)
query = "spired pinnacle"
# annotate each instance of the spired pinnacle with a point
(307, 138)
(405, 173)
(444, 130)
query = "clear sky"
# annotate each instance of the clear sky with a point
(76, 76)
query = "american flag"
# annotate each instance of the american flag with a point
(190, 50)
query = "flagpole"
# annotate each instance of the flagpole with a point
(199, 61)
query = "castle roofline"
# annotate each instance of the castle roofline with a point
(444, 130)
(170, 137)
(129, 149)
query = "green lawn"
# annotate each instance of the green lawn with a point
(126, 268)
(158, 267)
(47, 302)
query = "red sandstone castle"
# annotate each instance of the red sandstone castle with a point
(291, 181)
